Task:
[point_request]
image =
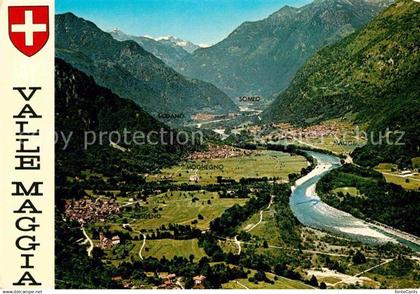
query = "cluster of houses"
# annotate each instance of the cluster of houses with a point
(88, 210)
(171, 281)
(287, 131)
(320, 131)
(126, 284)
(200, 117)
(107, 243)
(203, 117)
(216, 152)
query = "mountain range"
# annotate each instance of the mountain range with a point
(170, 50)
(370, 76)
(261, 57)
(131, 71)
(188, 46)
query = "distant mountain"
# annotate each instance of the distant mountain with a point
(130, 71)
(261, 57)
(168, 52)
(371, 75)
(177, 42)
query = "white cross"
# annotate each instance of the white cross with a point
(29, 28)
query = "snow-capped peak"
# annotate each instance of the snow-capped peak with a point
(168, 40)
(186, 45)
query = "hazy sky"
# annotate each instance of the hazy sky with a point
(200, 21)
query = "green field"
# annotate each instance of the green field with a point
(228, 246)
(412, 184)
(170, 248)
(280, 283)
(392, 176)
(260, 164)
(158, 249)
(267, 229)
(177, 207)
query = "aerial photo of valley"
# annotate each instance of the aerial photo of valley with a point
(237, 144)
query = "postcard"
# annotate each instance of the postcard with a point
(210, 144)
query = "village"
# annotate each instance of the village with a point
(219, 152)
(205, 117)
(88, 210)
(287, 131)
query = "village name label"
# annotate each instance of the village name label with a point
(28, 160)
(164, 115)
(249, 99)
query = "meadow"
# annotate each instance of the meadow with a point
(278, 283)
(169, 248)
(391, 175)
(262, 163)
(178, 207)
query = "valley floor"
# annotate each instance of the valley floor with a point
(328, 258)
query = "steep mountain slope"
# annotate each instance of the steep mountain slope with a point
(168, 52)
(130, 71)
(373, 74)
(82, 106)
(261, 57)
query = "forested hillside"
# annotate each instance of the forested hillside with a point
(130, 71)
(372, 75)
(261, 57)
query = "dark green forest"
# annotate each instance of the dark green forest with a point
(370, 76)
(381, 201)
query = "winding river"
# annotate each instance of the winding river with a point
(312, 212)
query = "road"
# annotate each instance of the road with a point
(142, 246)
(261, 215)
(129, 203)
(400, 176)
(363, 272)
(242, 285)
(238, 243)
(373, 267)
(235, 240)
(307, 144)
(179, 284)
(90, 249)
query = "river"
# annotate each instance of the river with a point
(312, 212)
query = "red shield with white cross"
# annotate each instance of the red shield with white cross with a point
(29, 28)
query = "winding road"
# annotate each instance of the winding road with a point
(365, 271)
(90, 249)
(142, 246)
(242, 285)
(261, 215)
(238, 243)
(235, 239)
